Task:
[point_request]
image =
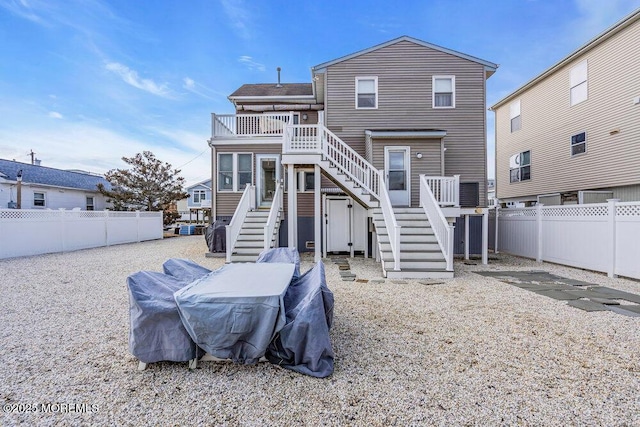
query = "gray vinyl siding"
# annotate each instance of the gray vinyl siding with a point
(405, 72)
(629, 193)
(227, 201)
(609, 118)
(429, 164)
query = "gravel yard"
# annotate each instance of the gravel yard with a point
(469, 351)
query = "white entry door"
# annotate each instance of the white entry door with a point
(338, 225)
(397, 165)
(268, 171)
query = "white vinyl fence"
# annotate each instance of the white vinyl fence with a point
(602, 237)
(30, 231)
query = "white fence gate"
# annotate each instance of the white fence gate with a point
(602, 237)
(31, 232)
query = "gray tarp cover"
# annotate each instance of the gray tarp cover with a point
(234, 312)
(303, 345)
(282, 255)
(156, 331)
(184, 269)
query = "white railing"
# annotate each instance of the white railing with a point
(445, 189)
(274, 213)
(247, 203)
(440, 226)
(393, 229)
(317, 139)
(26, 232)
(249, 125)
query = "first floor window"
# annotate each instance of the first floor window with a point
(520, 167)
(39, 200)
(199, 196)
(235, 171)
(579, 143)
(366, 92)
(225, 172)
(444, 91)
(90, 205)
(306, 181)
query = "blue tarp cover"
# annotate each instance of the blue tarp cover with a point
(156, 330)
(234, 312)
(303, 345)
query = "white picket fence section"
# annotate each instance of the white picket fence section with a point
(25, 232)
(602, 237)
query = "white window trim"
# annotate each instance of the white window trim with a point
(301, 181)
(514, 112)
(520, 167)
(200, 194)
(44, 199)
(453, 91)
(235, 172)
(584, 142)
(576, 79)
(375, 82)
(93, 202)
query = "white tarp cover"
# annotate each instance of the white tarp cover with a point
(156, 331)
(303, 345)
(234, 312)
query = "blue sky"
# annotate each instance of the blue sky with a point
(85, 82)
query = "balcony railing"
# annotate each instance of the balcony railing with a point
(249, 125)
(445, 189)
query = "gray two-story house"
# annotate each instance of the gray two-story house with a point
(380, 153)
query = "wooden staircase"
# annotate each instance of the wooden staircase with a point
(251, 239)
(421, 256)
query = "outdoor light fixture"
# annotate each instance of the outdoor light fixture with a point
(305, 117)
(419, 155)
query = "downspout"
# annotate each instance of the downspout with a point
(19, 189)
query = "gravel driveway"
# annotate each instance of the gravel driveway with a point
(472, 350)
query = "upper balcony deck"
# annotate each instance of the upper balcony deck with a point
(266, 125)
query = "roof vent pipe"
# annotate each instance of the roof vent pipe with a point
(279, 69)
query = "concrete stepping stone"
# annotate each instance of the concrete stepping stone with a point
(587, 305)
(622, 309)
(559, 295)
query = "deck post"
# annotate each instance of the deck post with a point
(318, 217)
(466, 237)
(485, 236)
(292, 212)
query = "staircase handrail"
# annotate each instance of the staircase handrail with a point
(393, 229)
(247, 203)
(441, 228)
(274, 212)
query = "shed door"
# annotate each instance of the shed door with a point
(338, 225)
(398, 175)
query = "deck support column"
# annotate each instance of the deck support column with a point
(292, 212)
(317, 213)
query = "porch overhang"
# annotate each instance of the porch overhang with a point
(406, 133)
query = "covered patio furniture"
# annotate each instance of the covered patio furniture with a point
(282, 255)
(156, 330)
(303, 345)
(184, 269)
(234, 312)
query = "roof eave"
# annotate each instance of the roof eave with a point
(591, 44)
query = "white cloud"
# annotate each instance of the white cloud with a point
(238, 16)
(55, 115)
(131, 77)
(596, 16)
(251, 64)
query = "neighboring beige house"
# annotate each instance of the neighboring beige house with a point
(380, 153)
(572, 134)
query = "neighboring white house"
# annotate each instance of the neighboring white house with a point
(572, 134)
(199, 201)
(48, 188)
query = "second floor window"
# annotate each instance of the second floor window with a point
(367, 92)
(444, 91)
(514, 114)
(39, 200)
(520, 167)
(199, 196)
(578, 83)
